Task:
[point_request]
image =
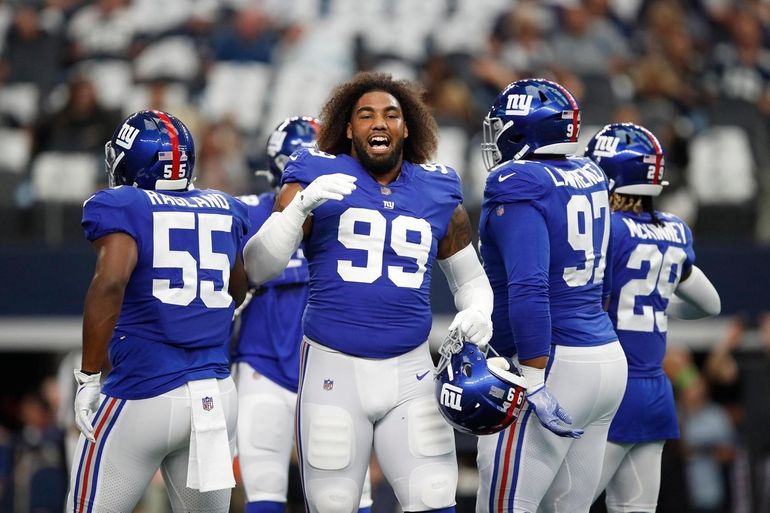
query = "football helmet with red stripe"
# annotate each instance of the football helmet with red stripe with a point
(476, 395)
(151, 150)
(631, 157)
(530, 116)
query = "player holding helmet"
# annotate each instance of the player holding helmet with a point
(370, 252)
(159, 302)
(544, 233)
(652, 275)
(267, 353)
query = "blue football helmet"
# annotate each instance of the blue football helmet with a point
(476, 395)
(292, 134)
(151, 150)
(530, 116)
(631, 157)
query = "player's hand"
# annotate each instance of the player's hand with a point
(87, 401)
(326, 187)
(473, 326)
(552, 416)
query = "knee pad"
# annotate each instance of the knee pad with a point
(433, 486)
(264, 450)
(429, 434)
(329, 444)
(336, 495)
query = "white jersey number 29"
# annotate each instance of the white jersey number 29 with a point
(658, 279)
(597, 207)
(166, 258)
(370, 237)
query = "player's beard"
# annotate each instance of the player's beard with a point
(381, 164)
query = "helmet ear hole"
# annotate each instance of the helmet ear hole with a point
(467, 370)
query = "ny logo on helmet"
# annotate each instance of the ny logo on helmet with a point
(606, 146)
(518, 104)
(451, 396)
(126, 136)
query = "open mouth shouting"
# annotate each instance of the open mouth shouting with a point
(379, 144)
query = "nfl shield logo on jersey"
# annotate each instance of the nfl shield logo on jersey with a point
(328, 384)
(208, 403)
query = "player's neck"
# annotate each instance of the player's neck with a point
(389, 177)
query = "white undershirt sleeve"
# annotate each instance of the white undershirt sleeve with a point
(694, 298)
(468, 281)
(268, 251)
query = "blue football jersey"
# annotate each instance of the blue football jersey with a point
(370, 255)
(271, 324)
(544, 231)
(647, 263)
(174, 325)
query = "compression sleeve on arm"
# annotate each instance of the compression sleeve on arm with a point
(522, 236)
(267, 253)
(468, 281)
(694, 298)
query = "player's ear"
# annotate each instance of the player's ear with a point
(406, 131)
(349, 131)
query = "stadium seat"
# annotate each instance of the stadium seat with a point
(64, 177)
(20, 102)
(721, 169)
(238, 91)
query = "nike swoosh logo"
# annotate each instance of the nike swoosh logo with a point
(420, 376)
(503, 178)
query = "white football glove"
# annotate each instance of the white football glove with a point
(87, 401)
(326, 187)
(473, 326)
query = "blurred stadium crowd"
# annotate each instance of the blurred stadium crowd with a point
(696, 72)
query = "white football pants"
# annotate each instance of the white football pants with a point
(133, 439)
(266, 437)
(527, 468)
(631, 476)
(349, 404)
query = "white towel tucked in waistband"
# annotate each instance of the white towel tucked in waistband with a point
(210, 466)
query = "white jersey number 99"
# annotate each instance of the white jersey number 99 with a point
(371, 238)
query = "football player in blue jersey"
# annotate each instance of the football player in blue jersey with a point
(544, 233)
(267, 352)
(652, 276)
(366, 370)
(160, 304)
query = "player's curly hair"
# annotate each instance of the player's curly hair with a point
(635, 204)
(419, 147)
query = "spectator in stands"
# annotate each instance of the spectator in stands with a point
(102, 29)
(40, 476)
(32, 52)
(248, 37)
(747, 371)
(708, 436)
(81, 125)
(221, 161)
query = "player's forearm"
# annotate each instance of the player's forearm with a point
(268, 252)
(529, 314)
(101, 311)
(468, 281)
(695, 297)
